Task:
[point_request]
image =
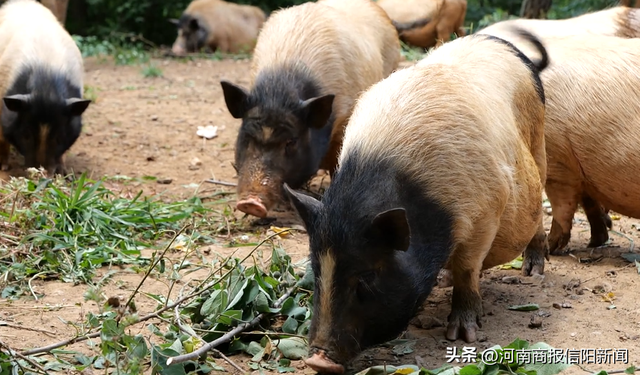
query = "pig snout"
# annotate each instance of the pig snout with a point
(320, 362)
(178, 49)
(252, 205)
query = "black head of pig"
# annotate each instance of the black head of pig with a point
(192, 34)
(283, 137)
(365, 283)
(42, 131)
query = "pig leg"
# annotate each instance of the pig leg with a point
(4, 154)
(466, 302)
(536, 252)
(597, 221)
(563, 207)
(606, 217)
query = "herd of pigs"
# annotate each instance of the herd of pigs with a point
(438, 168)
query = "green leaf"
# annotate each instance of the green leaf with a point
(290, 325)
(518, 344)
(470, 370)
(630, 370)
(253, 348)
(261, 304)
(542, 368)
(215, 304)
(404, 348)
(388, 370)
(307, 281)
(292, 347)
(527, 307)
(230, 317)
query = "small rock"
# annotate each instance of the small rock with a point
(602, 288)
(154, 118)
(573, 334)
(557, 305)
(195, 164)
(535, 322)
(511, 280)
(164, 181)
(428, 322)
(151, 158)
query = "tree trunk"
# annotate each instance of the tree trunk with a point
(58, 8)
(535, 8)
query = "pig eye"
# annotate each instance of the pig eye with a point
(291, 145)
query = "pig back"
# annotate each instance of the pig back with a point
(592, 122)
(345, 45)
(31, 35)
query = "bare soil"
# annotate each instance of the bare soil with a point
(147, 127)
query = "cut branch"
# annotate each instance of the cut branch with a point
(227, 337)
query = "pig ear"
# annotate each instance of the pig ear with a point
(174, 21)
(391, 229)
(77, 106)
(315, 112)
(17, 103)
(236, 97)
(308, 208)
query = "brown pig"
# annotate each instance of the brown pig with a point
(219, 26)
(591, 131)
(446, 17)
(443, 164)
(310, 64)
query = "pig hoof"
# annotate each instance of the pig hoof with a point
(598, 239)
(319, 362)
(558, 243)
(464, 327)
(252, 206)
(534, 256)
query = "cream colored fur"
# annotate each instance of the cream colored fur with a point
(592, 125)
(616, 21)
(31, 34)
(467, 124)
(346, 45)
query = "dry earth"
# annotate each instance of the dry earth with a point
(147, 127)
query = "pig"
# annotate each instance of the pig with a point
(41, 79)
(617, 21)
(591, 132)
(58, 8)
(446, 17)
(219, 26)
(442, 165)
(310, 64)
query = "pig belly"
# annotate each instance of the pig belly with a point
(520, 219)
(617, 187)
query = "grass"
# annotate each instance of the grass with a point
(151, 71)
(60, 230)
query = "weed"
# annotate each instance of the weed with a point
(151, 71)
(69, 230)
(91, 93)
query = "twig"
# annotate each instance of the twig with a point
(14, 353)
(31, 279)
(227, 337)
(223, 183)
(6, 324)
(627, 237)
(616, 269)
(155, 314)
(200, 339)
(151, 268)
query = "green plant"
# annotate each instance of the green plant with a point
(151, 71)
(66, 230)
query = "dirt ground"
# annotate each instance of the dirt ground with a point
(147, 127)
